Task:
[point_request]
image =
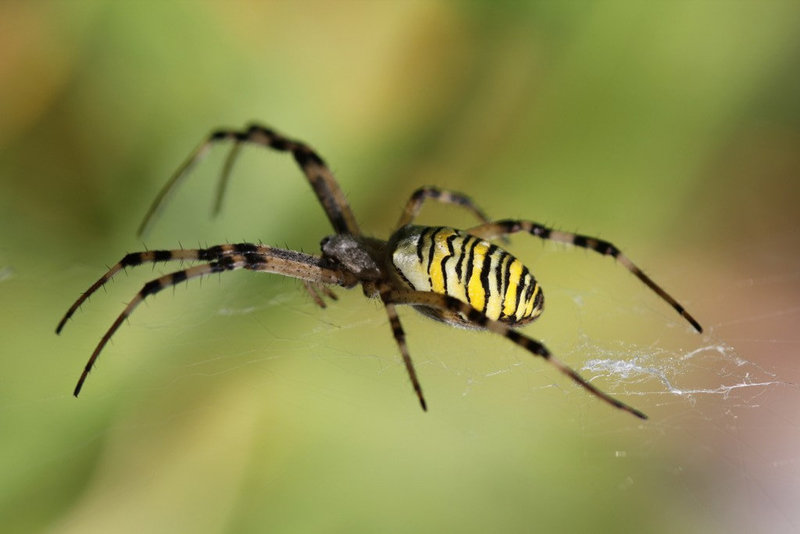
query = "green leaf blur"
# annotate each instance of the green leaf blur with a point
(236, 405)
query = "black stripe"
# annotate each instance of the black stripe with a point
(451, 253)
(397, 329)
(253, 259)
(506, 280)
(461, 254)
(211, 253)
(531, 345)
(151, 287)
(420, 243)
(539, 302)
(474, 316)
(499, 279)
(485, 270)
(279, 143)
(470, 265)
(303, 156)
(134, 258)
(607, 249)
(161, 255)
(242, 248)
(541, 231)
(520, 285)
(178, 277)
(402, 276)
(224, 264)
(529, 291)
(514, 336)
(453, 304)
(432, 239)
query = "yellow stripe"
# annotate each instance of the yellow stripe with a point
(476, 296)
(529, 305)
(522, 304)
(440, 252)
(494, 306)
(515, 271)
(455, 287)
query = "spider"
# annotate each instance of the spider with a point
(455, 276)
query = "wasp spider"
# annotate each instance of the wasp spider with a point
(455, 276)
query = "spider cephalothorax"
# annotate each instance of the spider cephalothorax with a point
(458, 277)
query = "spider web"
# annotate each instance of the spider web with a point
(726, 402)
(723, 406)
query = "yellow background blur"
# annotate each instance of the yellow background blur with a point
(236, 405)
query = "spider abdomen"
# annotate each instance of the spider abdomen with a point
(451, 262)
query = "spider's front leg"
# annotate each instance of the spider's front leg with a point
(151, 256)
(452, 305)
(152, 287)
(220, 258)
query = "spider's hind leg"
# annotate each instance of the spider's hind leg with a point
(445, 196)
(480, 320)
(509, 226)
(418, 197)
(400, 338)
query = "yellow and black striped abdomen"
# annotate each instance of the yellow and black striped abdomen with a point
(454, 263)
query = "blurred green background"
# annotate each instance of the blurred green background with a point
(235, 405)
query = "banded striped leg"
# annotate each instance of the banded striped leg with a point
(129, 260)
(400, 337)
(508, 226)
(453, 305)
(223, 258)
(319, 176)
(414, 204)
(292, 261)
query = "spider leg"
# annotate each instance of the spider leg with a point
(224, 178)
(220, 258)
(400, 337)
(314, 289)
(150, 288)
(313, 166)
(508, 226)
(130, 260)
(202, 254)
(418, 197)
(452, 305)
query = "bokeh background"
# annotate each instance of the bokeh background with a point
(235, 405)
